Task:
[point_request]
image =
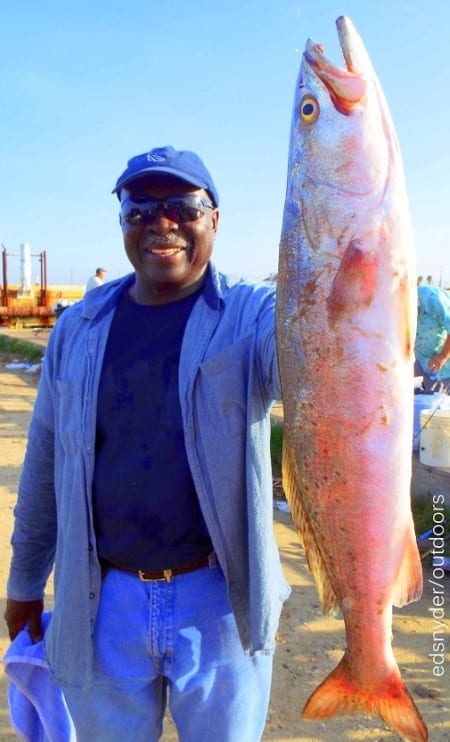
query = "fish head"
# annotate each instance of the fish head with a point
(342, 138)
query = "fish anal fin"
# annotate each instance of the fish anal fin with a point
(303, 525)
(390, 698)
(354, 285)
(409, 582)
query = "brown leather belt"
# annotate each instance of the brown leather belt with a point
(165, 574)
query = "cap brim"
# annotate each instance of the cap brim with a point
(158, 170)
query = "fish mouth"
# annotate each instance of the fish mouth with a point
(346, 86)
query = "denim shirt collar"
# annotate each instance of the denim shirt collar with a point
(100, 301)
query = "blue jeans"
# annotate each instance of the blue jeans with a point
(177, 640)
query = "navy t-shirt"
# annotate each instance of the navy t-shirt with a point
(146, 510)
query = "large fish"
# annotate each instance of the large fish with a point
(346, 313)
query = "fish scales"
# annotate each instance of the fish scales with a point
(346, 314)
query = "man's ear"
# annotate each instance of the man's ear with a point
(215, 219)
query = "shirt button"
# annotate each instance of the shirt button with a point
(91, 595)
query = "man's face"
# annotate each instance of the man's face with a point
(169, 256)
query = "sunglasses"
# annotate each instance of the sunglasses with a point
(140, 210)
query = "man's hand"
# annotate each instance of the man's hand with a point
(19, 613)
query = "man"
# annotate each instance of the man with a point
(147, 481)
(95, 280)
(432, 344)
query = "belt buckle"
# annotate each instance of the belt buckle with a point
(166, 578)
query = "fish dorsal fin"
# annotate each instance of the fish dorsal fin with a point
(302, 523)
(409, 583)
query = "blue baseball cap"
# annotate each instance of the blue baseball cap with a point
(184, 165)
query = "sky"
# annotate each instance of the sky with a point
(87, 85)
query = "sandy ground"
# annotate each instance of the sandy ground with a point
(309, 645)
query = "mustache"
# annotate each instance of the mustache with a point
(169, 240)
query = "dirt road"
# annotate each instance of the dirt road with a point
(309, 645)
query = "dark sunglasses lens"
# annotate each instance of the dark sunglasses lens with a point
(138, 216)
(178, 209)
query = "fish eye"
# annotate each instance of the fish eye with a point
(309, 109)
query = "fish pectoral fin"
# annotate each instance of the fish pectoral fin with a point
(340, 694)
(302, 523)
(409, 582)
(354, 285)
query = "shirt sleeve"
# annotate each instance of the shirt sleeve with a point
(442, 308)
(267, 346)
(34, 536)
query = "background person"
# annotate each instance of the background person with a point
(96, 280)
(432, 345)
(147, 481)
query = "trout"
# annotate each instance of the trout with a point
(346, 317)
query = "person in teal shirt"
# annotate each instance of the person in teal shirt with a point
(432, 345)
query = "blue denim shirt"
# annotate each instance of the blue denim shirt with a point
(228, 379)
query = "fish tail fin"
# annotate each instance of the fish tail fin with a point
(390, 698)
(409, 582)
(305, 530)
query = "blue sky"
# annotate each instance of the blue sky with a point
(86, 85)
